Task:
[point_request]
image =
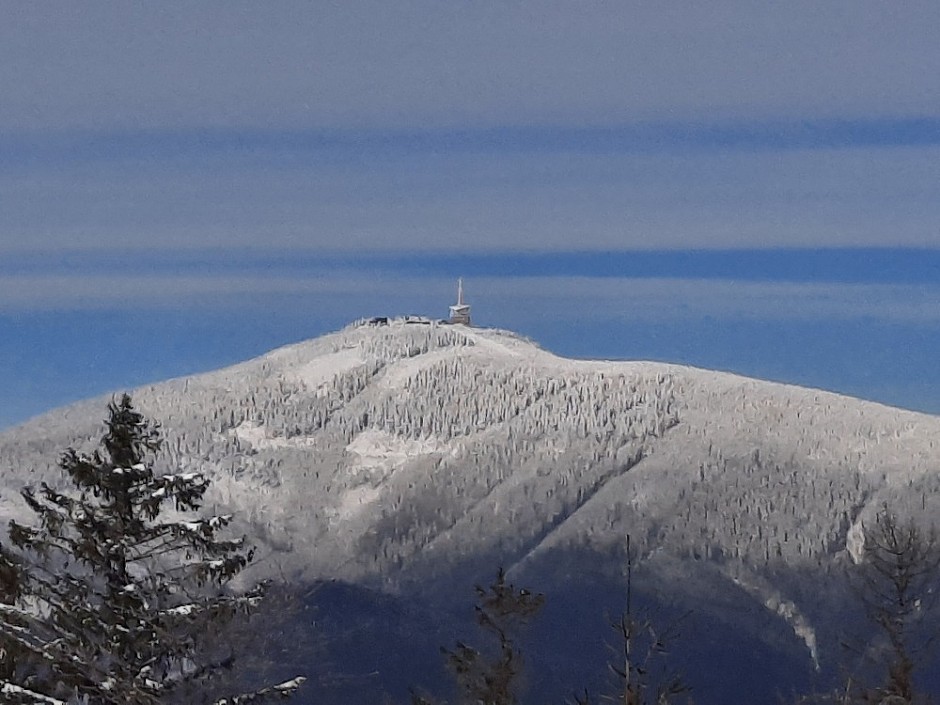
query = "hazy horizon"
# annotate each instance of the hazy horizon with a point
(749, 188)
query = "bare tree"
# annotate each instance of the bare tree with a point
(639, 657)
(897, 583)
(491, 678)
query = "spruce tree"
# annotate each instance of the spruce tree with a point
(107, 599)
(492, 677)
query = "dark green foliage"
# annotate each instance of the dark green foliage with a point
(102, 600)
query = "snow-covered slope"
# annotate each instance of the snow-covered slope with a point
(395, 454)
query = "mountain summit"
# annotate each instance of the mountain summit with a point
(411, 456)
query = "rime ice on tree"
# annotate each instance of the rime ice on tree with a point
(105, 601)
(460, 312)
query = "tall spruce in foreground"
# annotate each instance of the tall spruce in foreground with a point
(105, 600)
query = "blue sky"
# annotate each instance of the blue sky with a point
(739, 186)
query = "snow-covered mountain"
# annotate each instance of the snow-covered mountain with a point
(409, 455)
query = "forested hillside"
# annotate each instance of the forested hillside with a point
(413, 457)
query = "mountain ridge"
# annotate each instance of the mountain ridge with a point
(780, 414)
(413, 455)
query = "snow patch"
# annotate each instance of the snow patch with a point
(783, 608)
(402, 370)
(253, 434)
(258, 438)
(380, 450)
(855, 542)
(28, 696)
(501, 344)
(354, 501)
(801, 627)
(324, 368)
(378, 454)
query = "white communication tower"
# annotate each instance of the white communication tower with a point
(460, 312)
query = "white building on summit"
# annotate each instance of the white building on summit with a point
(460, 312)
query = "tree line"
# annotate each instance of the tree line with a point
(120, 590)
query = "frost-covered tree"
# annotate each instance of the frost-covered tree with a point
(109, 600)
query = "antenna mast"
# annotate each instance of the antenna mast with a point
(460, 311)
